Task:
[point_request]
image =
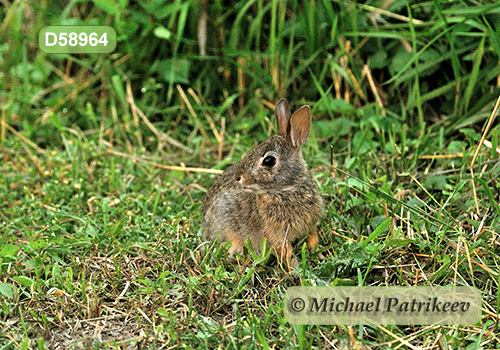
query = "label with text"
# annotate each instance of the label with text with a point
(77, 39)
(383, 305)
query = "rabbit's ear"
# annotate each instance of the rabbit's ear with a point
(300, 124)
(282, 116)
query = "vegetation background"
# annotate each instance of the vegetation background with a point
(99, 215)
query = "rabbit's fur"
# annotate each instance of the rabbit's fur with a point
(256, 199)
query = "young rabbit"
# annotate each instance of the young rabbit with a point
(268, 194)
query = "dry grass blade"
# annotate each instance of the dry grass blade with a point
(373, 87)
(191, 110)
(33, 159)
(401, 340)
(207, 116)
(489, 145)
(241, 81)
(442, 156)
(382, 12)
(133, 107)
(357, 87)
(268, 104)
(2, 132)
(344, 64)
(353, 338)
(160, 135)
(336, 77)
(122, 60)
(22, 137)
(202, 29)
(483, 137)
(167, 167)
(72, 95)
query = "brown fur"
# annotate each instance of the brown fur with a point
(253, 201)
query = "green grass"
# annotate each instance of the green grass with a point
(101, 250)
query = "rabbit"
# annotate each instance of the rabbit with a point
(268, 194)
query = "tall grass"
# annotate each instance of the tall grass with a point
(99, 215)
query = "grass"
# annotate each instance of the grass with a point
(99, 218)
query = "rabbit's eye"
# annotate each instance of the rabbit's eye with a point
(269, 161)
